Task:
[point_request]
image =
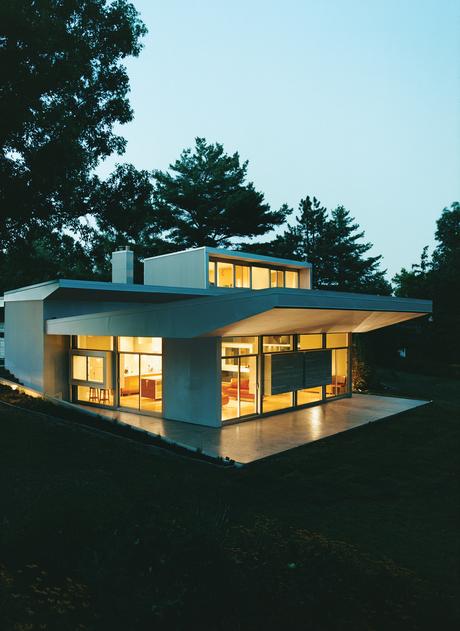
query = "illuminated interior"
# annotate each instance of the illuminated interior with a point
(140, 375)
(245, 361)
(246, 276)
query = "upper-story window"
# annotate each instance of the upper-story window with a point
(245, 276)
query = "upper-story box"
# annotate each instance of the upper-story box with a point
(214, 267)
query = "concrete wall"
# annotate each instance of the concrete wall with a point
(192, 380)
(56, 366)
(182, 269)
(24, 341)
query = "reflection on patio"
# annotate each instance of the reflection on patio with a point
(258, 438)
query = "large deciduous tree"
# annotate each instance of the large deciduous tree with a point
(205, 199)
(63, 87)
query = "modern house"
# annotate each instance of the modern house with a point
(213, 336)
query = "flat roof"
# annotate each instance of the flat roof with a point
(267, 311)
(41, 291)
(250, 257)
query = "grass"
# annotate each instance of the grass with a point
(358, 531)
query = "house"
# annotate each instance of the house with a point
(213, 336)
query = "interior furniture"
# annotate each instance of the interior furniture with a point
(231, 390)
(93, 394)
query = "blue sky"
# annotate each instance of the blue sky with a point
(354, 101)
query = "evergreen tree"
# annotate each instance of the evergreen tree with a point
(333, 244)
(438, 278)
(206, 200)
(351, 269)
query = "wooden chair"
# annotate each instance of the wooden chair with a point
(93, 394)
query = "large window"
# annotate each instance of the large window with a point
(242, 276)
(224, 274)
(140, 373)
(245, 276)
(260, 277)
(276, 361)
(239, 377)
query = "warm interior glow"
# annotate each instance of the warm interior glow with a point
(260, 277)
(276, 343)
(336, 340)
(224, 274)
(140, 344)
(212, 273)
(292, 279)
(242, 276)
(96, 369)
(79, 367)
(95, 342)
(306, 342)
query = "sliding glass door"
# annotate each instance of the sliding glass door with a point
(239, 386)
(140, 379)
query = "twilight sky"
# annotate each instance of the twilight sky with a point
(354, 101)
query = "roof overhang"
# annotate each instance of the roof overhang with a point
(249, 313)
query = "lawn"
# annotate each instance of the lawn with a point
(358, 531)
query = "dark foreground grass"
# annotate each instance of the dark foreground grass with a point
(358, 531)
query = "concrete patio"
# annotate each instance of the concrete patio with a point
(252, 440)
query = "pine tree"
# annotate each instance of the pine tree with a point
(206, 200)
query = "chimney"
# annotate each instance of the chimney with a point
(123, 266)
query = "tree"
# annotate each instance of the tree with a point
(333, 244)
(438, 278)
(63, 88)
(351, 269)
(205, 199)
(124, 214)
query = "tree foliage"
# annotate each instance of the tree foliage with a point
(438, 278)
(205, 199)
(63, 88)
(332, 242)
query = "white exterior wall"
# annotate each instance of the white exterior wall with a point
(24, 341)
(180, 269)
(56, 366)
(192, 380)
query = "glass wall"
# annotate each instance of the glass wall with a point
(225, 274)
(140, 373)
(91, 369)
(239, 377)
(248, 360)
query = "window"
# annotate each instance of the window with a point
(276, 278)
(233, 346)
(79, 368)
(292, 279)
(340, 380)
(277, 343)
(212, 272)
(242, 276)
(140, 344)
(224, 274)
(306, 342)
(336, 340)
(96, 369)
(88, 368)
(260, 277)
(95, 342)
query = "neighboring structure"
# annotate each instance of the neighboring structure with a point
(213, 336)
